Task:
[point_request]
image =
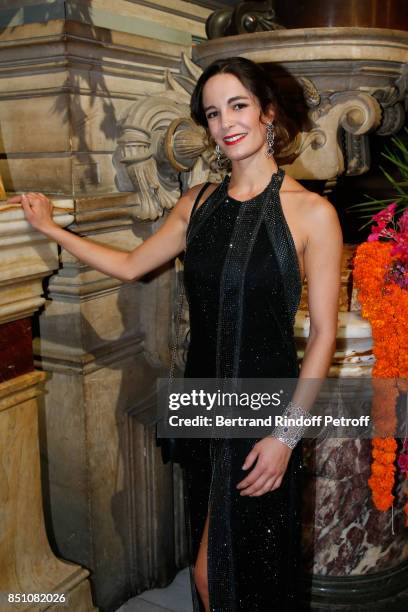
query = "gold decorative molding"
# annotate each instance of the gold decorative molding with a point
(2, 190)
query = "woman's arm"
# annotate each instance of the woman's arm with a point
(322, 259)
(164, 245)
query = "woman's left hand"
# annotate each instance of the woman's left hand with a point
(272, 460)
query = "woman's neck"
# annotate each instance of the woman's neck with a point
(251, 176)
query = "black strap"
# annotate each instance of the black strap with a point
(198, 198)
(214, 200)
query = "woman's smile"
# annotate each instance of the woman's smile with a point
(233, 139)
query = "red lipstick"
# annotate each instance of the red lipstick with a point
(232, 142)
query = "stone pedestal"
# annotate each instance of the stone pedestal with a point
(110, 498)
(356, 557)
(27, 563)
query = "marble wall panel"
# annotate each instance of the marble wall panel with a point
(16, 356)
(344, 534)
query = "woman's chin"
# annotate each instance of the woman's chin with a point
(245, 155)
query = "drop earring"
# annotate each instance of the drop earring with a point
(220, 158)
(270, 139)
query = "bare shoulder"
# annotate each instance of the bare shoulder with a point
(311, 207)
(186, 202)
(319, 211)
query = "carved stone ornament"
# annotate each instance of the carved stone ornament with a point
(161, 152)
(160, 147)
(392, 101)
(246, 17)
(357, 112)
(354, 81)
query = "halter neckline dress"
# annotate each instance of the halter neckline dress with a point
(243, 287)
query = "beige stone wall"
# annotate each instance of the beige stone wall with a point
(65, 85)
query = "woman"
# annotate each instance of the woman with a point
(249, 242)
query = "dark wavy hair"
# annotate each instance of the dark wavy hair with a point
(258, 81)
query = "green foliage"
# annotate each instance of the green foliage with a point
(398, 156)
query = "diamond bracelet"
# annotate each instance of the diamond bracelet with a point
(291, 434)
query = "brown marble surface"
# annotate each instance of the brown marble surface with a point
(344, 534)
(16, 351)
(342, 13)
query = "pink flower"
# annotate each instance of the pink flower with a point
(386, 214)
(382, 219)
(403, 222)
(382, 232)
(401, 247)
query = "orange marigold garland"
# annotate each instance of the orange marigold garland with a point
(381, 277)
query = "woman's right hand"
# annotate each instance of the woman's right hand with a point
(37, 210)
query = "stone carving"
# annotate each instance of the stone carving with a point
(357, 150)
(183, 83)
(310, 92)
(331, 65)
(392, 103)
(381, 110)
(159, 146)
(244, 18)
(163, 152)
(141, 145)
(356, 112)
(360, 112)
(183, 143)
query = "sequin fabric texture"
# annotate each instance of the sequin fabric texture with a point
(243, 287)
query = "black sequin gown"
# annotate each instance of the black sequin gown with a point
(243, 287)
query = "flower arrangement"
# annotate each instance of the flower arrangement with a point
(381, 278)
